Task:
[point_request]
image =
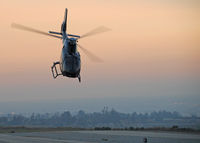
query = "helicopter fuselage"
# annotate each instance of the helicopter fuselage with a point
(70, 62)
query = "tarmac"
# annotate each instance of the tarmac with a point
(99, 137)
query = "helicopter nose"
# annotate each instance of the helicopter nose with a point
(70, 67)
(66, 67)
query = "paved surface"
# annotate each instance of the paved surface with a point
(175, 135)
(21, 139)
(99, 137)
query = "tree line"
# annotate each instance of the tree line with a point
(108, 118)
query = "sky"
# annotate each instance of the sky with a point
(151, 56)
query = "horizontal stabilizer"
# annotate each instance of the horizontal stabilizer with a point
(74, 35)
(52, 32)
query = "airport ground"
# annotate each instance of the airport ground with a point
(89, 136)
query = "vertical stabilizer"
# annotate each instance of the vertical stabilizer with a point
(64, 24)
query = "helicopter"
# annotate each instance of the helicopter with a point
(70, 59)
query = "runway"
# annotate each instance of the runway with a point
(98, 137)
(22, 139)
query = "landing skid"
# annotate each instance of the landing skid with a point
(54, 70)
(79, 78)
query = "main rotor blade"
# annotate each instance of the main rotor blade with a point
(22, 27)
(90, 55)
(95, 31)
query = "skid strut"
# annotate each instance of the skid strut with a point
(54, 70)
(79, 78)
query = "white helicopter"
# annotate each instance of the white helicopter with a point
(70, 61)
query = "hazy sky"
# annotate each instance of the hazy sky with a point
(152, 56)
